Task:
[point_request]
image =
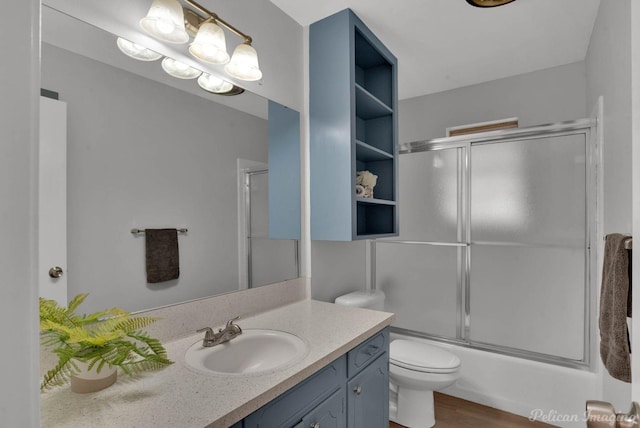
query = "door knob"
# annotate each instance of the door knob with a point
(357, 390)
(316, 425)
(56, 272)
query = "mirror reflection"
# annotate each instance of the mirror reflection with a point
(146, 150)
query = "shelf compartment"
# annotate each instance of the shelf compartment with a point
(377, 133)
(368, 106)
(384, 169)
(372, 71)
(367, 153)
(374, 201)
(375, 219)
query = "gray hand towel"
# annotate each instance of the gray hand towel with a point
(614, 345)
(163, 263)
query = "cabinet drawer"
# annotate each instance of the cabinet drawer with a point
(329, 414)
(291, 406)
(360, 356)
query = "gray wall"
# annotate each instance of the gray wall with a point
(540, 97)
(141, 154)
(19, 399)
(609, 74)
(545, 96)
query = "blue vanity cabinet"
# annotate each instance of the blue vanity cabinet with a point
(284, 172)
(368, 384)
(353, 127)
(329, 414)
(350, 392)
(368, 396)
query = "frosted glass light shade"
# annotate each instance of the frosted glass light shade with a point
(210, 45)
(179, 70)
(214, 84)
(165, 21)
(244, 63)
(136, 51)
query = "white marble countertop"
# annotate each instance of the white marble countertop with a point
(177, 396)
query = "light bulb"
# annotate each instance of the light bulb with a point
(179, 69)
(214, 84)
(136, 51)
(244, 63)
(165, 21)
(210, 45)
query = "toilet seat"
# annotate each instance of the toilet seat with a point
(422, 357)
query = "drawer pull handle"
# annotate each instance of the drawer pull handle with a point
(357, 390)
(371, 350)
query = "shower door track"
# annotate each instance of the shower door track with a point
(463, 143)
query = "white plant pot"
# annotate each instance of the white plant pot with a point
(91, 380)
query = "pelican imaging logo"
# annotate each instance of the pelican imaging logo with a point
(555, 417)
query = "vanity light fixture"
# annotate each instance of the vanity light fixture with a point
(179, 69)
(214, 84)
(136, 51)
(488, 3)
(166, 21)
(210, 44)
(244, 63)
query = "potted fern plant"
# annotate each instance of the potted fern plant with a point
(90, 347)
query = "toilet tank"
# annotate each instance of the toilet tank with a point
(363, 299)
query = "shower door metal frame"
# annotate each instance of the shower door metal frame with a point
(248, 175)
(462, 144)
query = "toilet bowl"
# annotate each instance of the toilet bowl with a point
(416, 369)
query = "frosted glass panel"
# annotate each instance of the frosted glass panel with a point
(272, 260)
(428, 185)
(529, 298)
(420, 284)
(529, 191)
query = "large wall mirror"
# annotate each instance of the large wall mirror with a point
(146, 150)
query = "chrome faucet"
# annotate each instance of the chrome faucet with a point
(230, 331)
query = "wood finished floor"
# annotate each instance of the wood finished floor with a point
(452, 412)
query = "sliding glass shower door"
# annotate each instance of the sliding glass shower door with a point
(529, 244)
(494, 246)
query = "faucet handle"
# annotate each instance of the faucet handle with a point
(230, 322)
(208, 333)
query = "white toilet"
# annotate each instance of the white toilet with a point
(415, 370)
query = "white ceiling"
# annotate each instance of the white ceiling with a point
(446, 44)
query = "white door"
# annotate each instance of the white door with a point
(52, 212)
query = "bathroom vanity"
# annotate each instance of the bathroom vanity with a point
(341, 381)
(352, 391)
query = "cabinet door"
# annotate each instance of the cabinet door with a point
(368, 396)
(329, 414)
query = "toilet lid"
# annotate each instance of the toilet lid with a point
(422, 357)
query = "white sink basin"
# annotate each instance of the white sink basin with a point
(253, 352)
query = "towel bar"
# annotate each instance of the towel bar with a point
(628, 244)
(136, 231)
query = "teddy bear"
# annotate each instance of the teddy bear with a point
(365, 182)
